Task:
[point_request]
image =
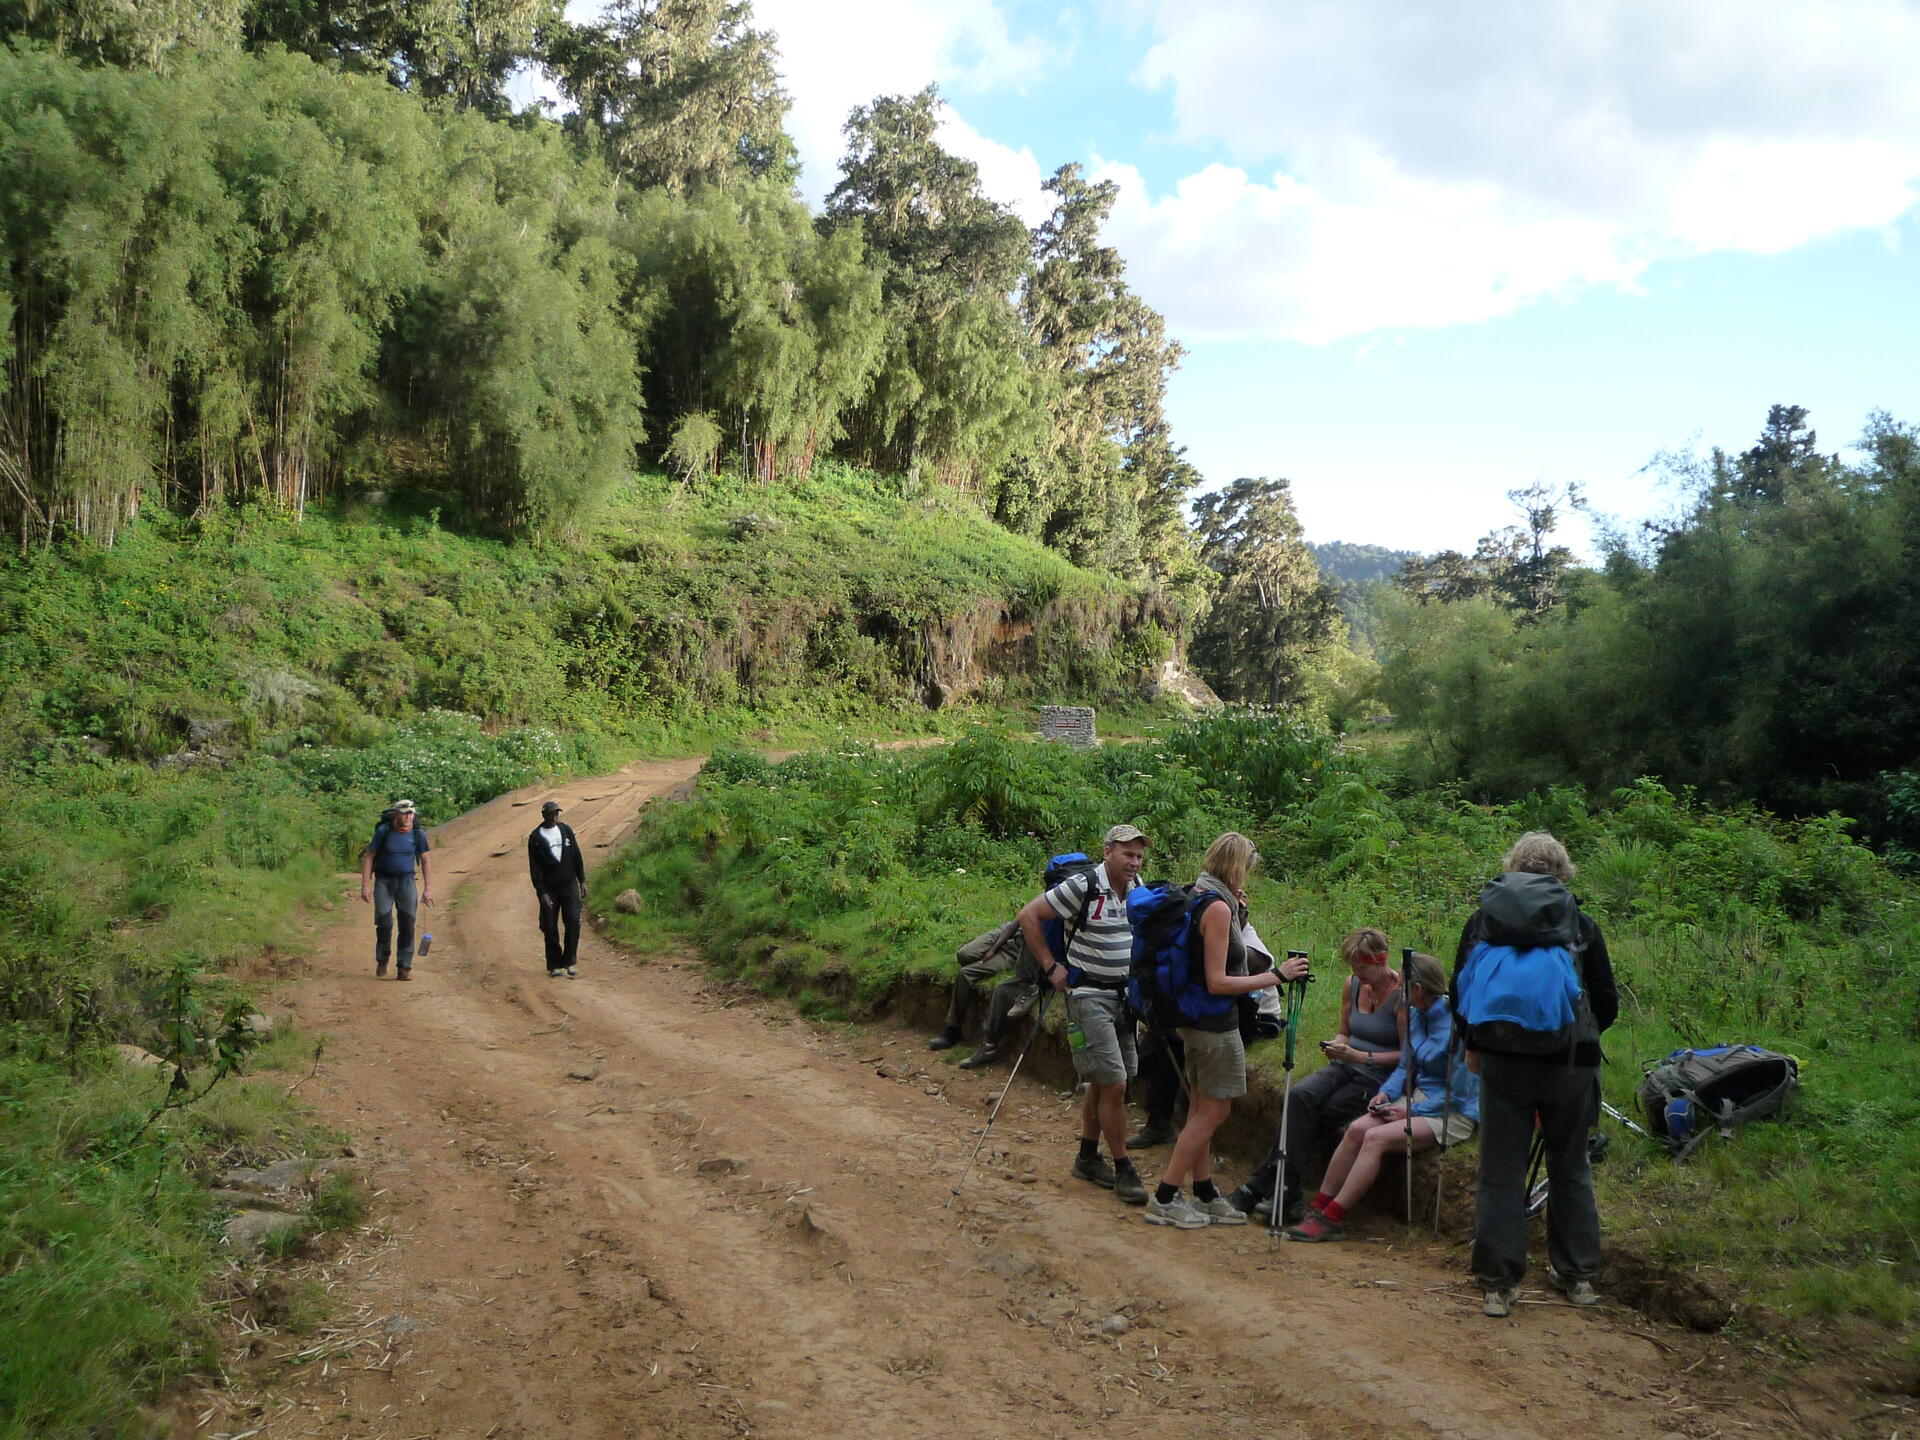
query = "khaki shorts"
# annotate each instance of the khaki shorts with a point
(1100, 1035)
(1216, 1064)
(1460, 1129)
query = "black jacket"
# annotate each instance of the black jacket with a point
(548, 873)
(1596, 975)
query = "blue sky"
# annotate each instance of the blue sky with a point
(1424, 252)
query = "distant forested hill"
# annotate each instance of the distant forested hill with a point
(1354, 571)
(1347, 564)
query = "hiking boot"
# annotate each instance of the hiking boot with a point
(1096, 1168)
(1315, 1227)
(1578, 1292)
(1023, 1002)
(403, 974)
(573, 972)
(1220, 1211)
(945, 1040)
(379, 969)
(1248, 1201)
(1178, 1212)
(555, 974)
(1126, 1184)
(981, 1058)
(1500, 1302)
(1154, 1132)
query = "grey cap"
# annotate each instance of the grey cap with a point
(1120, 834)
(552, 807)
(400, 805)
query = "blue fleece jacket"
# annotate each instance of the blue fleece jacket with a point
(1430, 1034)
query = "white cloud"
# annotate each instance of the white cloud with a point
(1434, 163)
(838, 54)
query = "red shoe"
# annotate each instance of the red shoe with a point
(1316, 1227)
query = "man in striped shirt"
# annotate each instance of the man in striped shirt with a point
(1093, 908)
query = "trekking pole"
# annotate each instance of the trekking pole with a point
(1039, 1019)
(1446, 1114)
(1296, 997)
(1406, 1063)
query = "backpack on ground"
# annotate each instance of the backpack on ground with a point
(1693, 1092)
(1520, 989)
(1164, 982)
(1060, 869)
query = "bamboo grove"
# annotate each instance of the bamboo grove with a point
(272, 252)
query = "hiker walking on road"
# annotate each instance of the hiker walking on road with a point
(993, 953)
(1528, 913)
(1093, 974)
(560, 880)
(387, 864)
(1215, 1060)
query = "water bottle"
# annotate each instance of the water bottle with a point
(426, 944)
(1076, 1037)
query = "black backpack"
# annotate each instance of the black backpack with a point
(1692, 1093)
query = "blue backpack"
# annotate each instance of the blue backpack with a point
(1164, 982)
(1520, 989)
(1060, 869)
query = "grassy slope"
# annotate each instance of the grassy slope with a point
(337, 662)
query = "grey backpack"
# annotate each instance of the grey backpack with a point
(1692, 1093)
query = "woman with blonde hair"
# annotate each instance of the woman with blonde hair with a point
(1443, 1094)
(1215, 1067)
(1360, 1057)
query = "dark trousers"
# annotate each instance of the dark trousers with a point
(393, 895)
(1162, 1059)
(1016, 976)
(564, 910)
(1566, 1098)
(1320, 1107)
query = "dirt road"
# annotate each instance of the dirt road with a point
(634, 1205)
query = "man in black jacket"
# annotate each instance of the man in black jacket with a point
(1559, 1090)
(559, 879)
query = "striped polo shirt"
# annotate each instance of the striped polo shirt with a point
(1103, 947)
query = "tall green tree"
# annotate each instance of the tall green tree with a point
(954, 391)
(759, 323)
(150, 35)
(460, 52)
(684, 94)
(1107, 470)
(1274, 609)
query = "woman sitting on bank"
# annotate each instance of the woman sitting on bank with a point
(1428, 1024)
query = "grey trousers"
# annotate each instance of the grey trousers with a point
(393, 894)
(1566, 1099)
(1024, 975)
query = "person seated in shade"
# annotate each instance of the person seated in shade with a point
(1443, 1098)
(999, 955)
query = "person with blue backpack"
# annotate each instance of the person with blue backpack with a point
(1533, 987)
(387, 865)
(1087, 958)
(1444, 1099)
(1190, 968)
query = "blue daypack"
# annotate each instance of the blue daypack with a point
(1060, 869)
(1520, 989)
(1164, 982)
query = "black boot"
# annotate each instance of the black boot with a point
(945, 1040)
(1158, 1130)
(981, 1058)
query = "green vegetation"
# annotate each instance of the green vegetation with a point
(1757, 647)
(203, 720)
(839, 876)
